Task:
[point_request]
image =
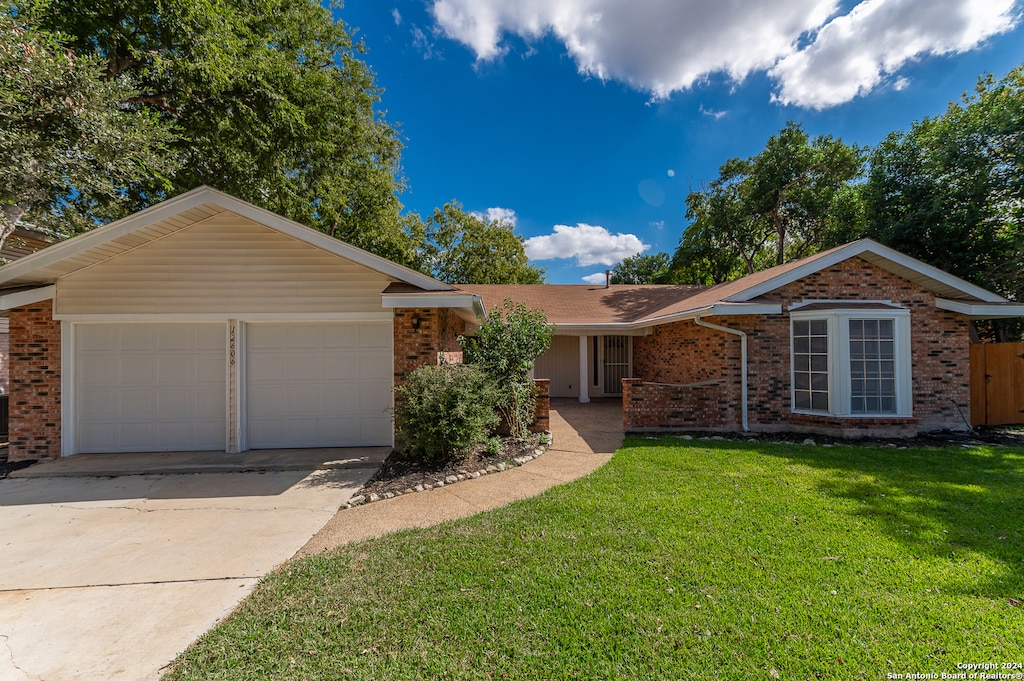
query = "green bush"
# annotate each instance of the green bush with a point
(443, 411)
(506, 345)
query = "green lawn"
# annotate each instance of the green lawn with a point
(676, 560)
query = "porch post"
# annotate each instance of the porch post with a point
(584, 363)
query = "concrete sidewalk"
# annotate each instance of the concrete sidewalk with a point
(584, 439)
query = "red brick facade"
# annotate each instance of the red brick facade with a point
(422, 333)
(683, 354)
(35, 362)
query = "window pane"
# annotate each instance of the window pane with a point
(819, 401)
(856, 349)
(819, 382)
(801, 328)
(819, 327)
(885, 327)
(819, 363)
(885, 349)
(856, 328)
(887, 369)
(801, 380)
(801, 345)
(802, 399)
(888, 405)
(871, 328)
(819, 345)
(871, 405)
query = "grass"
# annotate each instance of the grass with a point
(676, 560)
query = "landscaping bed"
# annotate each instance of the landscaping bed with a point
(402, 474)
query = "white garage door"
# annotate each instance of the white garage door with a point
(150, 387)
(319, 384)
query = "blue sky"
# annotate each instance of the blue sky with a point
(587, 122)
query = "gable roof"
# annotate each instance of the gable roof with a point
(85, 250)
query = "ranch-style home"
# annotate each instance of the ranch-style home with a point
(205, 323)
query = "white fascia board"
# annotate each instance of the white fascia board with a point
(982, 310)
(601, 330)
(197, 197)
(718, 309)
(457, 300)
(21, 298)
(868, 246)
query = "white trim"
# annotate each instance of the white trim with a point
(68, 431)
(717, 309)
(981, 310)
(600, 329)
(584, 370)
(5, 325)
(224, 316)
(21, 298)
(839, 360)
(413, 300)
(838, 303)
(207, 195)
(858, 248)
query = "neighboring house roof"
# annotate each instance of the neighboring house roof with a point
(85, 250)
(25, 240)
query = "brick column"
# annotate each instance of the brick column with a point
(34, 376)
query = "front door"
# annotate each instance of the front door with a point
(615, 363)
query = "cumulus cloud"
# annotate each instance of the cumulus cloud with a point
(597, 279)
(853, 54)
(817, 56)
(588, 244)
(506, 215)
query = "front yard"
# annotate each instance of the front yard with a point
(677, 560)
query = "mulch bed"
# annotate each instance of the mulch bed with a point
(10, 466)
(991, 435)
(400, 475)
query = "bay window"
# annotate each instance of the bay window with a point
(852, 360)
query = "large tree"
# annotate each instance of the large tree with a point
(68, 143)
(950, 191)
(270, 101)
(464, 248)
(786, 202)
(653, 268)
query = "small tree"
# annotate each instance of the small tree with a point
(506, 345)
(443, 411)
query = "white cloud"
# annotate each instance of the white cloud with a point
(397, 16)
(597, 279)
(588, 244)
(422, 42)
(853, 54)
(818, 57)
(499, 214)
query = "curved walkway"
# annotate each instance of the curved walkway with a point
(584, 437)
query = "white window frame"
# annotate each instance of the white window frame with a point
(839, 360)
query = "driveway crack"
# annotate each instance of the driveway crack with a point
(10, 656)
(155, 582)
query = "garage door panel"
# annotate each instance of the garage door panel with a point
(318, 385)
(150, 387)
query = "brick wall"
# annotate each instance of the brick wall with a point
(708, 405)
(4, 362)
(683, 353)
(542, 415)
(422, 333)
(34, 383)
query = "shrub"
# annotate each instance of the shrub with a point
(506, 345)
(443, 411)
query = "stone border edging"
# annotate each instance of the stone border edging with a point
(501, 466)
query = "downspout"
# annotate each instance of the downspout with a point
(743, 363)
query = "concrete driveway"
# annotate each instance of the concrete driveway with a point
(112, 577)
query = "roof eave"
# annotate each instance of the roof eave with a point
(1006, 310)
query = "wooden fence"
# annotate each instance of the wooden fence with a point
(997, 384)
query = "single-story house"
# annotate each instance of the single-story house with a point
(206, 323)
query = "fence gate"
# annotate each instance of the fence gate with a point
(997, 384)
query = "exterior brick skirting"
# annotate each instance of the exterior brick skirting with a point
(853, 428)
(665, 406)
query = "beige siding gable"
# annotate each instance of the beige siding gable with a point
(224, 264)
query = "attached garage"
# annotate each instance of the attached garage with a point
(318, 384)
(207, 324)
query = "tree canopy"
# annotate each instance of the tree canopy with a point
(761, 211)
(268, 100)
(463, 248)
(68, 146)
(643, 269)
